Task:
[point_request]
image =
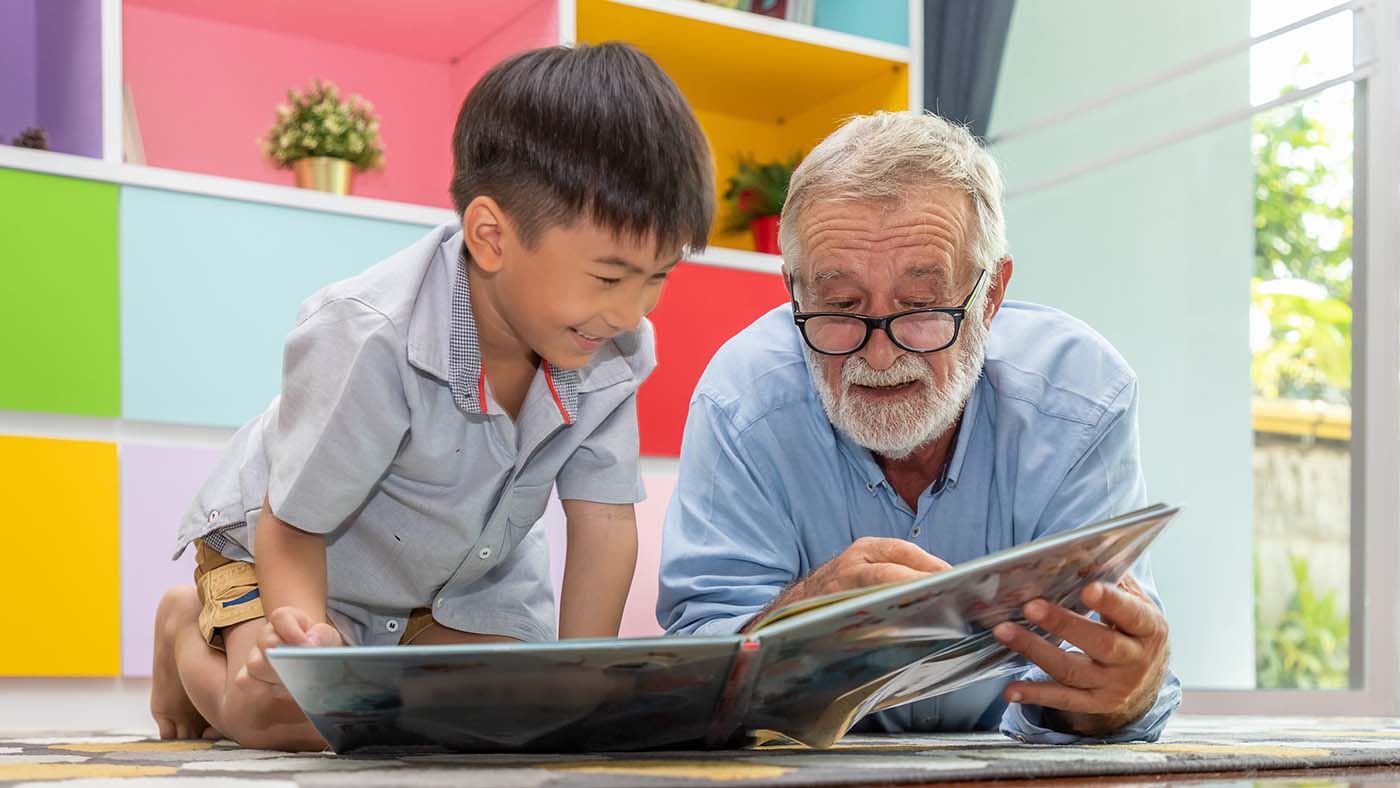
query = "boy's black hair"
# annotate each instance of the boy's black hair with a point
(597, 132)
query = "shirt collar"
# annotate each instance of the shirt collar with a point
(467, 379)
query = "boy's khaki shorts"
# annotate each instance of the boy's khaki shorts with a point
(228, 593)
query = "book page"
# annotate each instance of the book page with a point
(824, 669)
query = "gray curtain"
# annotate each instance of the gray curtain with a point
(963, 45)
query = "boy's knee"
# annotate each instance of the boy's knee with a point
(177, 605)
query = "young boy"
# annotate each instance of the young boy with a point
(430, 404)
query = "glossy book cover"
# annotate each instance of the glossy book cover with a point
(807, 675)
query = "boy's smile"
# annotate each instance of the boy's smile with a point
(565, 296)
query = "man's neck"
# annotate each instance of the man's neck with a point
(912, 475)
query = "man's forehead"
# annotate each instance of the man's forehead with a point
(936, 273)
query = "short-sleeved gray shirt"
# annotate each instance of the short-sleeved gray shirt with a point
(384, 439)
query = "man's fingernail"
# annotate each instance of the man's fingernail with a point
(1015, 697)
(1002, 632)
(1035, 611)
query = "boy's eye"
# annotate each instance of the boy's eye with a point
(607, 281)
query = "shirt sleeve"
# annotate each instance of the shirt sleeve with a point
(727, 549)
(341, 418)
(1107, 481)
(606, 467)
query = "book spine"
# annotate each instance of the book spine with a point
(734, 701)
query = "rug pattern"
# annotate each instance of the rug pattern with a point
(1191, 745)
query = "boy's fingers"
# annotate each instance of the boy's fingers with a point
(257, 667)
(323, 634)
(292, 625)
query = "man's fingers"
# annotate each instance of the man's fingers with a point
(898, 551)
(292, 625)
(1092, 637)
(1051, 695)
(882, 574)
(1133, 613)
(1066, 667)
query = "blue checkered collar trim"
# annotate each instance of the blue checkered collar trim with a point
(465, 375)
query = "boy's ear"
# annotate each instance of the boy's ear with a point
(484, 229)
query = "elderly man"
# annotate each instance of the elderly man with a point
(899, 417)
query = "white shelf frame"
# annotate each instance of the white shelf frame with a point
(777, 28)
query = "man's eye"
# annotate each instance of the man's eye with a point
(840, 306)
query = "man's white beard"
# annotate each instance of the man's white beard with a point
(896, 428)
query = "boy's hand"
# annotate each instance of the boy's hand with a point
(287, 626)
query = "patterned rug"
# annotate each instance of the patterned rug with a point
(1191, 745)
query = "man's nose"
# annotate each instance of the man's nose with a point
(880, 353)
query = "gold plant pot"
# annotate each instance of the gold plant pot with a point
(324, 173)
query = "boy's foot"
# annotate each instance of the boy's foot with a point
(174, 713)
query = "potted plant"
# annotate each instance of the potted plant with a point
(33, 137)
(755, 197)
(324, 139)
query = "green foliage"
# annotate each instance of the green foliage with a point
(319, 123)
(1301, 318)
(1308, 354)
(757, 190)
(1308, 648)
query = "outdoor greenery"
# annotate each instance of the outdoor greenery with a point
(1308, 648)
(1301, 315)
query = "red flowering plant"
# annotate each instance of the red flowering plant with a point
(757, 190)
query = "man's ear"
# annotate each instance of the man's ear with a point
(996, 290)
(484, 230)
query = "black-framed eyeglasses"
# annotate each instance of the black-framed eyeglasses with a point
(925, 330)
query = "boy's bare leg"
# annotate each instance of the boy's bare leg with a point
(197, 690)
(252, 712)
(175, 714)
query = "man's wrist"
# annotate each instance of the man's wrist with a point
(1092, 725)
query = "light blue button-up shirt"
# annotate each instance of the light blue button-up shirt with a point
(769, 490)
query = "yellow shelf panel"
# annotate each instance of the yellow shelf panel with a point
(59, 558)
(732, 70)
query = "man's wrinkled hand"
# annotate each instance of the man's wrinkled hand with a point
(1117, 677)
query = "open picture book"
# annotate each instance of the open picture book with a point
(806, 673)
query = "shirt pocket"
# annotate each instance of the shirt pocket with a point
(528, 504)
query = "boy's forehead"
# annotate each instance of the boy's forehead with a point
(603, 243)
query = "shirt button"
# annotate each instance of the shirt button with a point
(917, 530)
(484, 553)
(437, 603)
(392, 626)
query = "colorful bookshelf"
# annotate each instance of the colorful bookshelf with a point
(147, 287)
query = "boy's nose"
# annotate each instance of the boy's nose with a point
(625, 316)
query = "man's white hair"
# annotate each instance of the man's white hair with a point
(887, 156)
